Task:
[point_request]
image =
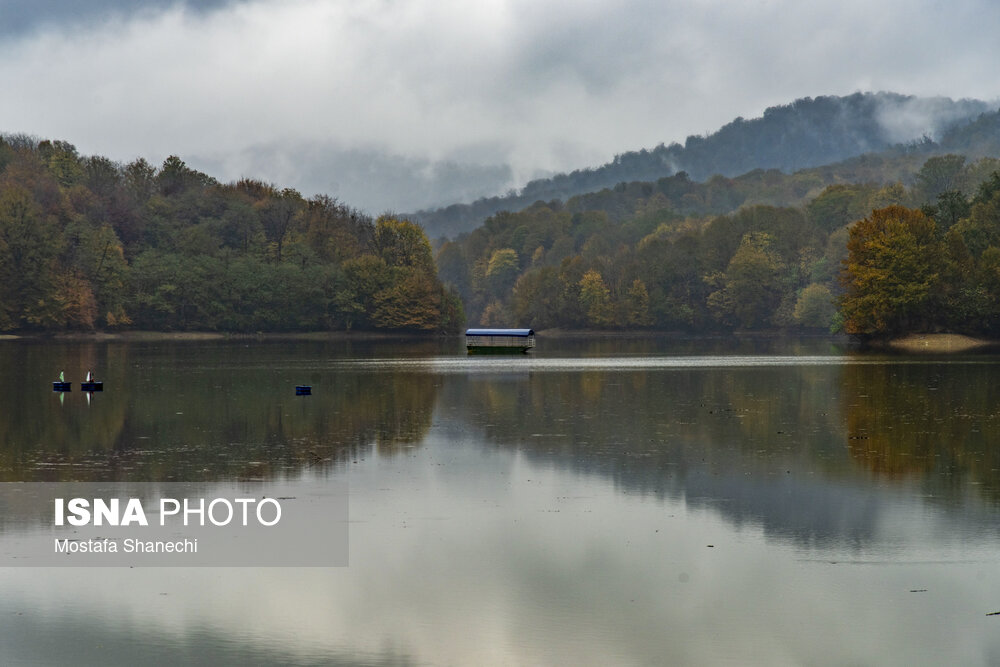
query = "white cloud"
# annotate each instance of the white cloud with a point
(537, 85)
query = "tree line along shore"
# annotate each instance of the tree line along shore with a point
(88, 244)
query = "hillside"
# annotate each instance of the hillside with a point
(726, 254)
(806, 133)
(87, 243)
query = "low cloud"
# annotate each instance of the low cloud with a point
(369, 179)
(498, 90)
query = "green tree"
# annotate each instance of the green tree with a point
(403, 243)
(839, 205)
(951, 207)
(938, 175)
(501, 271)
(815, 307)
(366, 277)
(29, 246)
(981, 228)
(175, 177)
(453, 267)
(277, 212)
(752, 287)
(62, 160)
(538, 298)
(140, 180)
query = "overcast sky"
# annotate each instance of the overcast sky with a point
(393, 103)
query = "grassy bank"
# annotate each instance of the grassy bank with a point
(938, 343)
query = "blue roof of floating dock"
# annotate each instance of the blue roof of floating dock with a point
(518, 333)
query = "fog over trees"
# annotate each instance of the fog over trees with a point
(879, 244)
(809, 132)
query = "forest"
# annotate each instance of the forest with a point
(861, 258)
(880, 244)
(87, 243)
(808, 133)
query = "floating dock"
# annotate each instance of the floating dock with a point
(499, 341)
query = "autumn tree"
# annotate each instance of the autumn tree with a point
(637, 305)
(414, 303)
(892, 273)
(595, 299)
(97, 259)
(334, 231)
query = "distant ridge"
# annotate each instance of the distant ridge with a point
(809, 132)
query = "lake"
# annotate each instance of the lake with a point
(597, 502)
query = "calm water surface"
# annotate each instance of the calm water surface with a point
(595, 503)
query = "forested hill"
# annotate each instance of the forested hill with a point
(678, 255)
(807, 133)
(88, 243)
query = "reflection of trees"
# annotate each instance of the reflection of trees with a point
(390, 409)
(760, 444)
(199, 412)
(744, 442)
(647, 428)
(925, 420)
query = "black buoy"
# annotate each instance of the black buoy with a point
(303, 390)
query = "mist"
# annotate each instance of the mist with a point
(370, 179)
(392, 105)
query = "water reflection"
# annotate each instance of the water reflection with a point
(199, 412)
(647, 421)
(936, 423)
(603, 503)
(489, 558)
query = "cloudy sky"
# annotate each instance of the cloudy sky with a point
(397, 104)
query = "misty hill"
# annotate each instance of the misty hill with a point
(809, 132)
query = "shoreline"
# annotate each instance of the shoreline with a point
(911, 343)
(937, 343)
(159, 336)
